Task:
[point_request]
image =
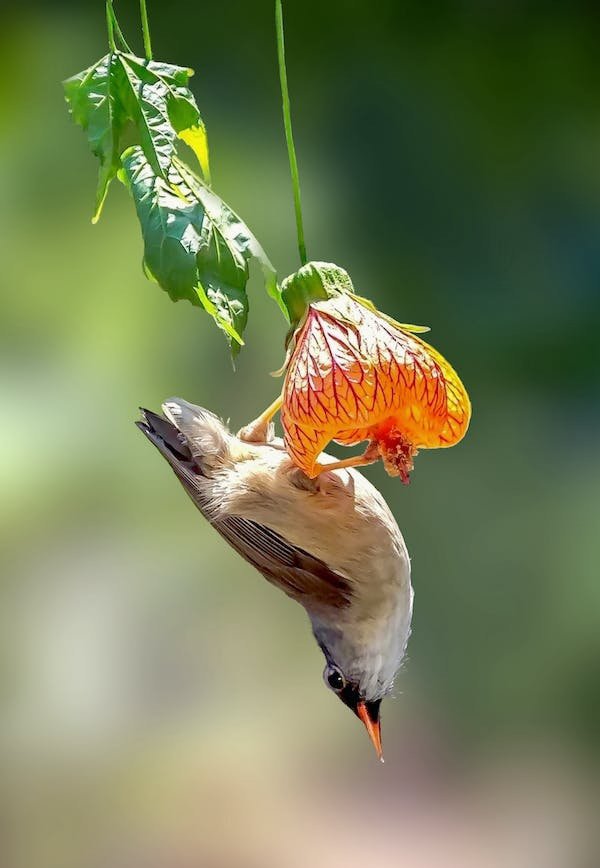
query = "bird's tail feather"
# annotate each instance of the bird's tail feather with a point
(193, 440)
(173, 445)
(205, 435)
(167, 439)
(164, 435)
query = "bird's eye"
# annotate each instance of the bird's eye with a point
(334, 678)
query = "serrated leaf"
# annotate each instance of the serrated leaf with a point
(190, 128)
(171, 227)
(154, 96)
(195, 246)
(163, 108)
(211, 308)
(94, 104)
(236, 238)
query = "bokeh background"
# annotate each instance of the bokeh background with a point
(161, 704)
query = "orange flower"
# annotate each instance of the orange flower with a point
(353, 374)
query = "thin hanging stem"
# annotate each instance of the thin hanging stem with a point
(146, 30)
(109, 25)
(118, 32)
(287, 124)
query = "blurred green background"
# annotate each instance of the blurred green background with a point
(161, 704)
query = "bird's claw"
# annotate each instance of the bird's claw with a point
(369, 456)
(261, 429)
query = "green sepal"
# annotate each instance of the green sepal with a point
(315, 281)
(403, 326)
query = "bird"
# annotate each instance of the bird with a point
(330, 543)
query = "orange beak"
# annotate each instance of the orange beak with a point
(373, 727)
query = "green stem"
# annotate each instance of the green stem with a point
(109, 25)
(287, 124)
(146, 30)
(118, 32)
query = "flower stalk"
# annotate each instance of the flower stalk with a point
(289, 135)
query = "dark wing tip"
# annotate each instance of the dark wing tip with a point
(163, 434)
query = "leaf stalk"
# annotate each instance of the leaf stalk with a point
(110, 17)
(118, 32)
(146, 30)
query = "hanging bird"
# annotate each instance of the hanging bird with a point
(330, 543)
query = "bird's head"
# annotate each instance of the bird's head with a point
(360, 668)
(365, 709)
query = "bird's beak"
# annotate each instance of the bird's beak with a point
(369, 714)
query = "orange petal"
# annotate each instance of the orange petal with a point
(354, 376)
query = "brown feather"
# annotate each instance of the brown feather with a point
(303, 577)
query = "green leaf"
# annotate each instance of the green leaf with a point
(154, 96)
(163, 108)
(188, 125)
(95, 106)
(195, 246)
(232, 240)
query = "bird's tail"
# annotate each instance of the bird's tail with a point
(189, 436)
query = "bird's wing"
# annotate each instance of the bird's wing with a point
(305, 578)
(299, 574)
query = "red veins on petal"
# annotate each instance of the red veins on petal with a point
(353, 376)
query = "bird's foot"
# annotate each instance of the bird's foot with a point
(369, 456)
(261, 430)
